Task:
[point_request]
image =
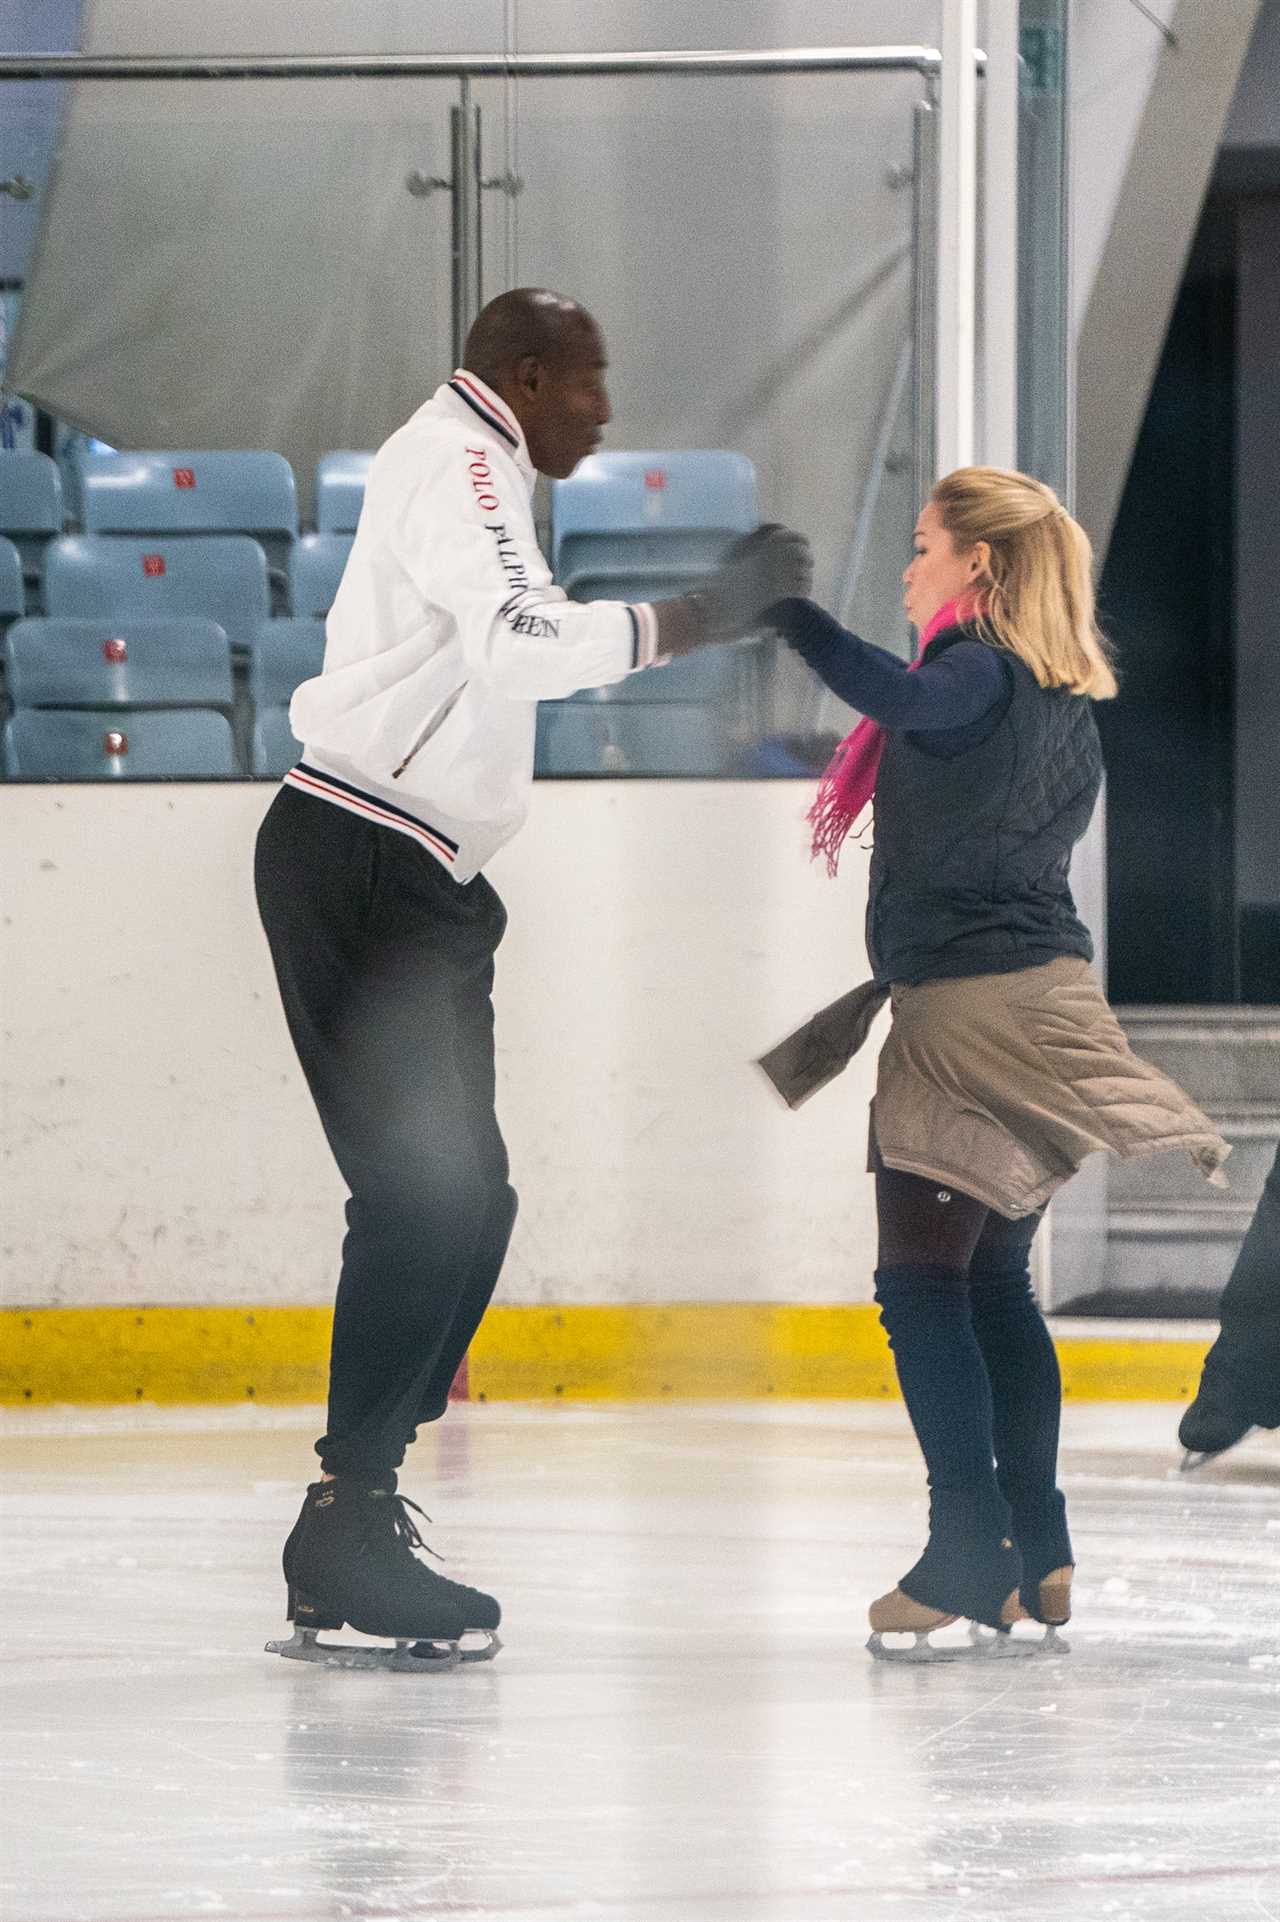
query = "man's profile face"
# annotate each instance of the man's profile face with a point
(565, 401)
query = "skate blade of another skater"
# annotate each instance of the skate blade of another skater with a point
(1201, 1457)
(1214, 1423)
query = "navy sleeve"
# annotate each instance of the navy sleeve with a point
(958, 689)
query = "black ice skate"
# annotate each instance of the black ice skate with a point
(958, 1579)
(1211, 1426)
(350, 1559)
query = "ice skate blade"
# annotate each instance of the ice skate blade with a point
(1001, 1644)
(405, 1658)
(482, 1649)
(1201, 1457)
(983, 1645)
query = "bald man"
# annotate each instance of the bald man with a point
(445, 634)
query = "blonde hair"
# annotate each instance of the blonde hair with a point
(1039, 601)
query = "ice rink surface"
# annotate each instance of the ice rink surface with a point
(683, 1725)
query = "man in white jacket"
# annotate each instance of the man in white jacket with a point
(445, 633)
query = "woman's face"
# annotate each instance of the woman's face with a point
(937, 573)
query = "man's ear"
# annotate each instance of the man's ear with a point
(529, 375)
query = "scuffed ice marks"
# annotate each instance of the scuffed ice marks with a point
(683, 1726)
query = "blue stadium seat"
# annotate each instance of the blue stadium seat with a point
(31, 509)
(635, 526)
(87, 744)
(315, 568)
(189, 493)
(73, 449)
(638, 526)
(118, 664)
(573, 738)
(274, 748)
(710, 674)
(12, 597)
(340, 480)
(284, 654)
(221, 578)
(596, 737)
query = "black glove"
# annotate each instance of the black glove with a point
(772, 564)
(757, 571)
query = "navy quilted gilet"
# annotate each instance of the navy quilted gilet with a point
(969, 871)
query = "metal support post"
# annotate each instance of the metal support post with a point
(464, 122)
(1000, 118)
(924, 289)
(957, 236)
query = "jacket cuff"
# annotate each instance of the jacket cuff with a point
(644, 634)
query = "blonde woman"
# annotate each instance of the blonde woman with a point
(1004, 1066)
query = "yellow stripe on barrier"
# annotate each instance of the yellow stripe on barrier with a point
(684, 1351)
(707, 1350)
(164, 1354)
(1109, 1368)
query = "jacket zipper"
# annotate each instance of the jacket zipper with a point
(433, 726)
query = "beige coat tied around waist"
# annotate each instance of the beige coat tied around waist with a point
(999, 1085)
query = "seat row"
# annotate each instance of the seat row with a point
(179, 744)
(614, 521)
(624, 526)
(222, 577)
(196, 743)
(175, 492)
(94, 699)
(610, 519)
(108, 699)
(221, 528)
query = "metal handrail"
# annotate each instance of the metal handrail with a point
(465, 68)
(457, 66)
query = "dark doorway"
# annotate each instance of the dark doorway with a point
(1167, 598)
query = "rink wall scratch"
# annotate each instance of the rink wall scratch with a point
(615, 1352)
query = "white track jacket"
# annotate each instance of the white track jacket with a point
(445, 633)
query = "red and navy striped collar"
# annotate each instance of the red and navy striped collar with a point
(482, 401)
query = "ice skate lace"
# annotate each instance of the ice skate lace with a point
(406, 1530)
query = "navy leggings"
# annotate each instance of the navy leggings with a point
(975, 1361)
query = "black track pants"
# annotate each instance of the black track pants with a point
(1245, 1359)
(385, 967)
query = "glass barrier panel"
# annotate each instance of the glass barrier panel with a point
(258, 271)
(746, 243)
(265, 267)
(30, 117)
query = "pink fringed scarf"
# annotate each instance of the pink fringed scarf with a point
(849, 780)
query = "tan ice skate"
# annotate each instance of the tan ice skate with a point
(990, 1633)
(1055, 1597)
(896, 1614)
